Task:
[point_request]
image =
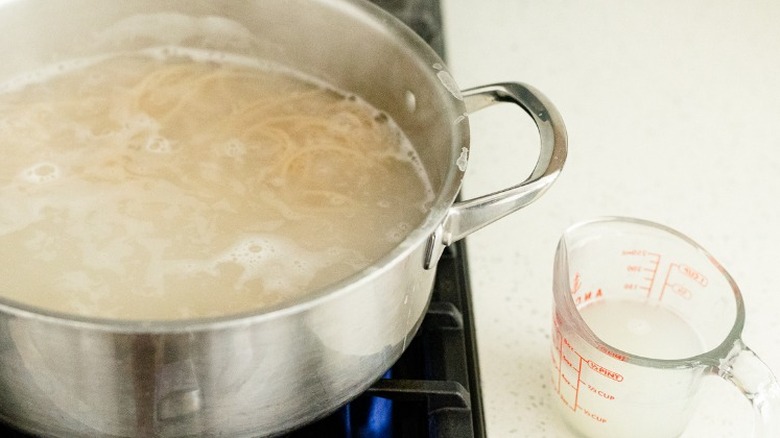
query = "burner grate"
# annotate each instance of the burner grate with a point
(433, 390)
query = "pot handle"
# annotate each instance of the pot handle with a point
(463, 218)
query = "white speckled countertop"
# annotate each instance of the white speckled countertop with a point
(673, 115)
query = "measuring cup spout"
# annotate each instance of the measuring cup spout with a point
(742, 367)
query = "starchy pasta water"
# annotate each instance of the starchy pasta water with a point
(174, 184)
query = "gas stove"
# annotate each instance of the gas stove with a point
(433, 389)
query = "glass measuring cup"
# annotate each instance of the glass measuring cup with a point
(641, 314)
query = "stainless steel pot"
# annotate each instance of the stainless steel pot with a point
(269, 371)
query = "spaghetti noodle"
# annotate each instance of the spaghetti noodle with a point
(137, 187)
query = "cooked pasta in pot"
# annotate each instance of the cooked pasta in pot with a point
(175, 184)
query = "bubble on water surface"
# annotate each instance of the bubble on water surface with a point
(42, 172)
(159, 145)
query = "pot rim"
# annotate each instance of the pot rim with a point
(432, 66)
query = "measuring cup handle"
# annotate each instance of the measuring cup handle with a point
(755, 380)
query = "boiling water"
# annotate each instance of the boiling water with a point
(642, 329)
(174, 184)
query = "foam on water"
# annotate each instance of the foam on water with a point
(40, 173)
(110, 209)
(158, 145)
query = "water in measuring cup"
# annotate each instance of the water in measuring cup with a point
(593, 387)
(643, 329)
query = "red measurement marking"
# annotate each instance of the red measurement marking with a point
(588, 296)
(603, 394)
(565, 383)
(596, 417)
(694, 275)
(560, 361)
(666, 281)
(682, 291)
(649, 266)
(653, 271)
(567, 361)
(604, 371)
(565, 402)
(576, 283)
(608, 352)
(579, 380)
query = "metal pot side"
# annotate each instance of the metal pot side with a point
(261, 373)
